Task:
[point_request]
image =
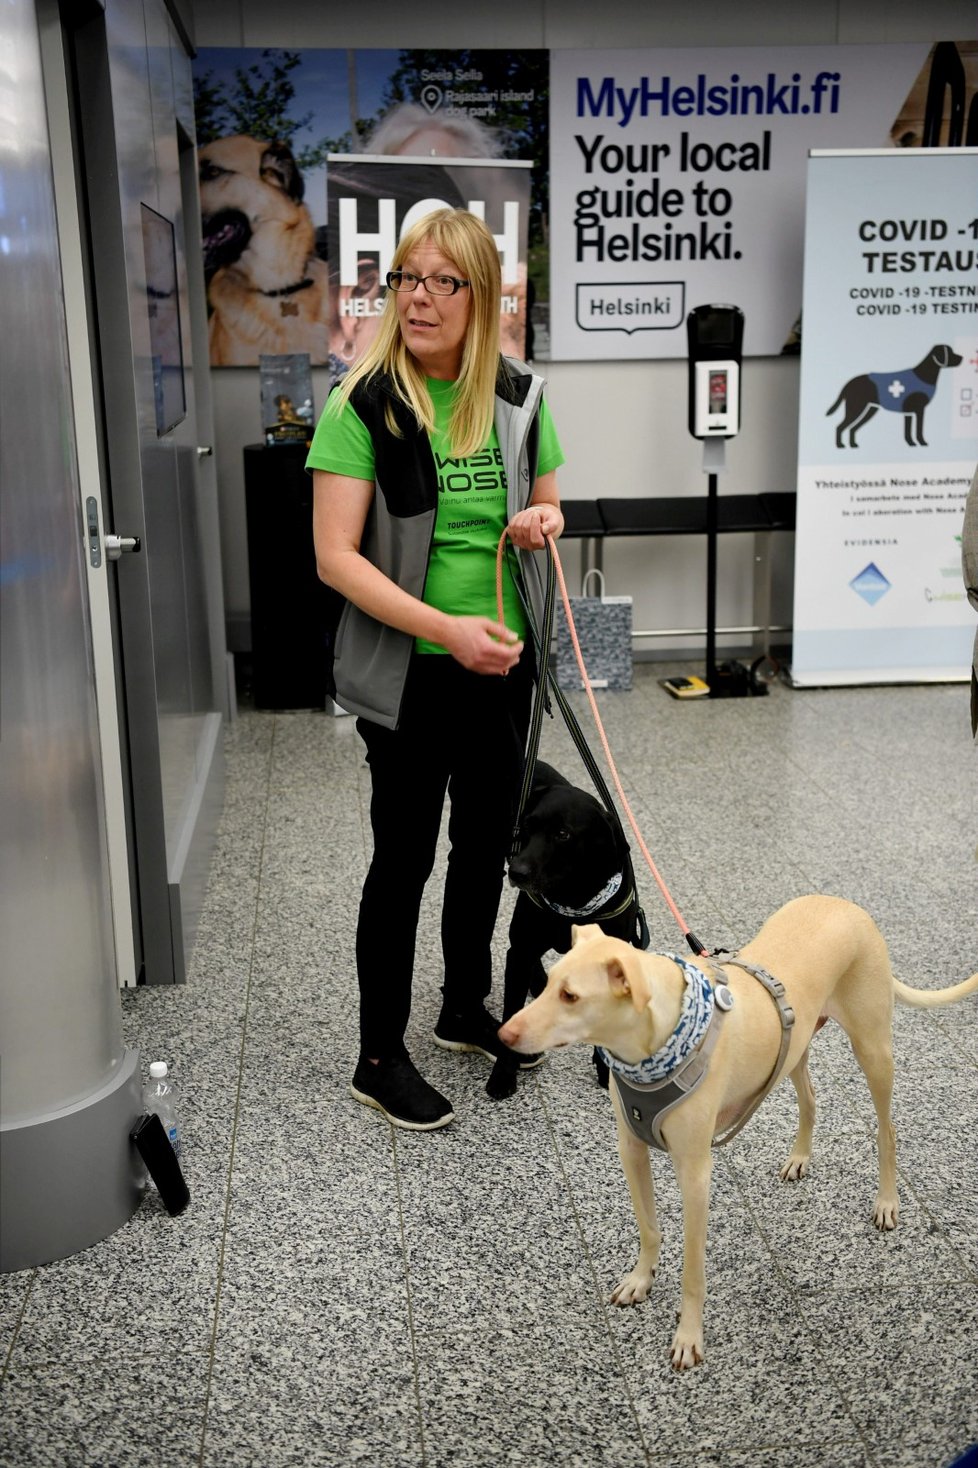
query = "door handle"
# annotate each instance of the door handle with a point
(204, 451)
(116, 545)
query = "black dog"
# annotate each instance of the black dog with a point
(907, 392)
(572, 865)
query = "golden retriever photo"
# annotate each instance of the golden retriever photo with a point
(266, 287)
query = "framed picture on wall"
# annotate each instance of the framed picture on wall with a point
(163, 310)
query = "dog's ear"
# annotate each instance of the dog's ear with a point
(278, 168)
(584, 934)
(627, 979)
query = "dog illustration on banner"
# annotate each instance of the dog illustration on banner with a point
(908, 392)
(267, 288)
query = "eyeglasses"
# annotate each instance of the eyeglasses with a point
(436, 285)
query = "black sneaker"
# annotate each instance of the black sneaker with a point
(398, 1089)
(477, 1032)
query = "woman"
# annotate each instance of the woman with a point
(426, 451)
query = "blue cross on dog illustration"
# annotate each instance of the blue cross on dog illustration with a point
(907, 391)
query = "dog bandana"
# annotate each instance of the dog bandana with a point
(894, 388)
(609, 890)
(694, 1021)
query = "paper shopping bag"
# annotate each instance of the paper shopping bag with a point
(604, 633)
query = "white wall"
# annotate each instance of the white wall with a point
(622, 424)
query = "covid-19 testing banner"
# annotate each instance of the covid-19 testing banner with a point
(888, 427)
(678, 179)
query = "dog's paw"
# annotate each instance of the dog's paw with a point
(794, 1169)
(687, 1349)
(886, 1213)
(502, 1081)
(634, 1288)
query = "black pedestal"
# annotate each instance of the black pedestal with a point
(730, 679)
(292, 613)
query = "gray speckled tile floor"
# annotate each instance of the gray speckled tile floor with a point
(339, 1293)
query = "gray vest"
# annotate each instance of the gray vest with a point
(372, 659)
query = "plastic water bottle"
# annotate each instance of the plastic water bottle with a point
(160, 1096)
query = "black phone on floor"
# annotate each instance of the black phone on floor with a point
(154, 1147)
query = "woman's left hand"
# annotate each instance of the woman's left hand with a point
(530, 527)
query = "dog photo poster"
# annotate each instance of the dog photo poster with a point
(888, 424)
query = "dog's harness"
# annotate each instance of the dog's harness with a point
(894, 388)
(649, 1091)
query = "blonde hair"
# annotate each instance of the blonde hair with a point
(463, 238)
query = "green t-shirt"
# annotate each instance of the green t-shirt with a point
(471, 513)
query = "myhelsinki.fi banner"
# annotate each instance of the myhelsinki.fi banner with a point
(678, 179)
(888, 426)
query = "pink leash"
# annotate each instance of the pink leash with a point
(686, 931)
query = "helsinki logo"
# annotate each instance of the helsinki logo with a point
(870, 584)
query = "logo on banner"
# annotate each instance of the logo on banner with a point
(631, 305)
(908, 392)
(870, 584)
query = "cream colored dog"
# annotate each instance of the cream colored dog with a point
(833, 963)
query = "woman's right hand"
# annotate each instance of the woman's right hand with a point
(482, 645)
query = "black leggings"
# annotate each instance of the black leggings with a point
(464, 733)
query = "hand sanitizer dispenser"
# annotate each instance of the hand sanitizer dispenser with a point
(716, 338)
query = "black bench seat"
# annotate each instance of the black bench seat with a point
(582, 519)
(682, 515)
(780, 506)
(592, 522)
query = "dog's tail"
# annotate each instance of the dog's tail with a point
(830, 411)
(933, 998)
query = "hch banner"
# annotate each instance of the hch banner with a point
(678, 179)
(888, 430)
(372, 201)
